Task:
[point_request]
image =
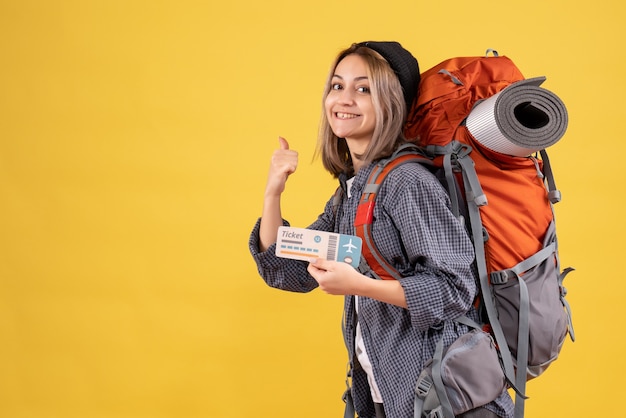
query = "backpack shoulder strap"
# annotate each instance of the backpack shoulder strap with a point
(377, 264)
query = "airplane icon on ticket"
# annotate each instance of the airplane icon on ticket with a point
(350, 246)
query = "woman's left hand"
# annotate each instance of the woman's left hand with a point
(338, 278)
(335, 278)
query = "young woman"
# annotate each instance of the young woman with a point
(391, 326)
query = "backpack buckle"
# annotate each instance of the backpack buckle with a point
(501, 277)
(423, 386)
(462, 150)
(435, 413)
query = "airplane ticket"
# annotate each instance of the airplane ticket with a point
(306, 244)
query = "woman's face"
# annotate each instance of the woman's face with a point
(349, 106)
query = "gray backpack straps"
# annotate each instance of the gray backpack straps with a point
(539, 271)
(479, 236)
(349, 411)
(440, 389)
(451, 383)
(431, 399)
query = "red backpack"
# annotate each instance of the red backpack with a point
(470, 114)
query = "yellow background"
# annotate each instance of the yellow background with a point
(134, 143)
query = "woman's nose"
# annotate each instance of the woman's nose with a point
(346, 96)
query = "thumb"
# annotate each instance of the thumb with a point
(319, 263)
(284, 145)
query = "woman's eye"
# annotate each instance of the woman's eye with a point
(363, 90)
(336, 86)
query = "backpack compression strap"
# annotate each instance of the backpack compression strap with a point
(380, 268)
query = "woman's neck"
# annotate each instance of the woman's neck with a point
(357, 147)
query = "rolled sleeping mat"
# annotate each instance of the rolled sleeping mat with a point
(519, 120)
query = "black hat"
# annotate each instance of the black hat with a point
(403, 64)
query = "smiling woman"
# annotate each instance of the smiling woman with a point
(391, 327)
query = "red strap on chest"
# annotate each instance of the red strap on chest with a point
(365, 216)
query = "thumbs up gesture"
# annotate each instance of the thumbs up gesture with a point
(283, 163)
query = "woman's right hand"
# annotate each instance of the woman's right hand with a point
(283, 163)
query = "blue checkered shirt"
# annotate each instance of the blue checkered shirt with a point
(417, 233)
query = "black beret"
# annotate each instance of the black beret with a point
(403, 64)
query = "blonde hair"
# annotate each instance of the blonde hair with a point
(390, 109)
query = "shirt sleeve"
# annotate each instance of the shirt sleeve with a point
(436, 254)
(284, 273)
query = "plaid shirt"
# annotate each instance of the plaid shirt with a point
(417, 233)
